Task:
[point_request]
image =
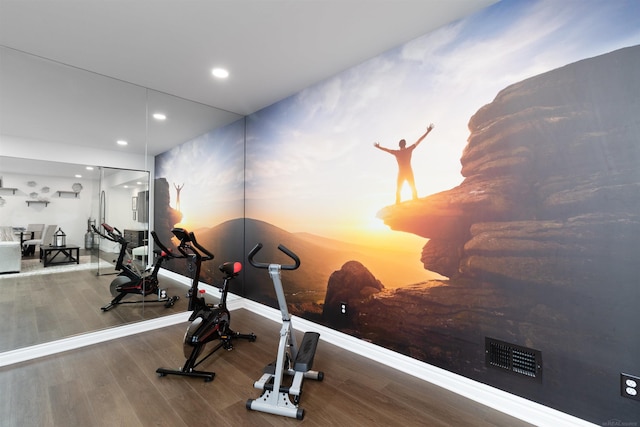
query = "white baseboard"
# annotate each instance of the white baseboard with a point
(82, 340)
(499, 400)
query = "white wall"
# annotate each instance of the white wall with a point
(67, 212)
(120, 215)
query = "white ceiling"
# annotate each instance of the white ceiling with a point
(272, 48)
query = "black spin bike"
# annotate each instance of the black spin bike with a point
(131, 280)
(208, 322)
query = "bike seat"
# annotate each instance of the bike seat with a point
(231, 269)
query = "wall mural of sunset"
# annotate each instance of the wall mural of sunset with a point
(525, 225)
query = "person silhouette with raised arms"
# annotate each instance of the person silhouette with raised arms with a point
(403, 157)
(178, 188)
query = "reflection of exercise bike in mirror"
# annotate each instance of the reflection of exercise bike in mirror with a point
(208, 322)
(292, 360)
(131, 280)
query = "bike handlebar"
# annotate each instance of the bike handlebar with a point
(113, 233)
(164, 250)
(187, 237)
(283, 249)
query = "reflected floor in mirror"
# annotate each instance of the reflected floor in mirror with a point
(115, 384)
(41, 304)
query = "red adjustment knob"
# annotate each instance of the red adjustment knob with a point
(202, 291)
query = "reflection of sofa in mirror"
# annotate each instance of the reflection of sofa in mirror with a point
(10, 253)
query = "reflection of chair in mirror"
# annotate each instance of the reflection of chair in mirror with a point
(33, 232)
(29, 246)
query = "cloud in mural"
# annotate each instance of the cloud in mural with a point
(313, 154)
(208, 165)
(324, 134)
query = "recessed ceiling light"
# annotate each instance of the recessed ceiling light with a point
(159, 116)
(122, 142)
(89, 168)
(221, 73)
(78, 175)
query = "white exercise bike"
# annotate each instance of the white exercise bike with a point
(296, 362)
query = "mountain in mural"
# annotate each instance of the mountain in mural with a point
(320, 257)
(540, 241)
(306, 287)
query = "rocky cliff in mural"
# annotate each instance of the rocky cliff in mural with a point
(540, 241)
(551, 181)
(165, 217)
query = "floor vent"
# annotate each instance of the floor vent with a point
(513, 358)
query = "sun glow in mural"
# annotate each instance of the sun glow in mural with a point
(184, 223)
(375, 225)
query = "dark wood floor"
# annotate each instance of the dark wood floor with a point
(115, 384)
(40, 308)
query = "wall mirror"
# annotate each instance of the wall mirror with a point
(56, 120)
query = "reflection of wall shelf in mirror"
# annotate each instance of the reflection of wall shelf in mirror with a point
(13, 190)
(38, 202)
(67, 193)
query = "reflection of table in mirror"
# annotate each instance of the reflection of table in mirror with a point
(49, 255)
